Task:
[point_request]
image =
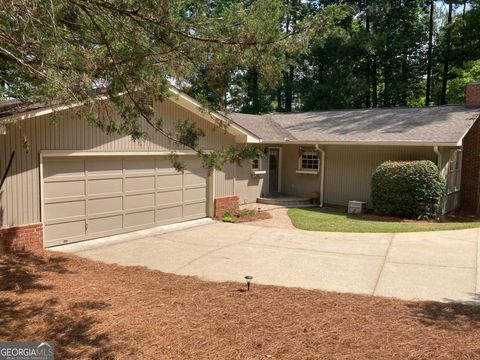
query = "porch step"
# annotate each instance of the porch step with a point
(284, 201)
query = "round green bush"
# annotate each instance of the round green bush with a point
(410, 189)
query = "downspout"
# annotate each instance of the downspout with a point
(439, 165)
(322, 173)
(439, 159)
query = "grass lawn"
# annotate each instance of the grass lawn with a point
(327, 219)
(93, 310)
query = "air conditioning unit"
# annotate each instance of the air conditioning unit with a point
(356, 207)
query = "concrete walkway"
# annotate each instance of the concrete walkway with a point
(439, 266)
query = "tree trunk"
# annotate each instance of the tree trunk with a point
(374, 84)
(462, 45)
(254, 88)
(290, 24)
(386, 85)
(443, 96)
(279, 100)
(429, 56)
(369, 60)
(289, 89)
(404, 93)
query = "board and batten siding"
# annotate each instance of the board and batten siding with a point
(348, 170)
(20, 196)
(238, 180)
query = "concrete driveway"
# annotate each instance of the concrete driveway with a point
(439, 266)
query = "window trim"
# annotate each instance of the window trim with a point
(259, 168)
(301, 169)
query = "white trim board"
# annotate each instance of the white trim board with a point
(64, 153)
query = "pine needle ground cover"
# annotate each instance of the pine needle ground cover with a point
(92, 310)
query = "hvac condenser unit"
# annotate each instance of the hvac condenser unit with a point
(356, 207)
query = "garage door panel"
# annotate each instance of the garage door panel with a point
(104, 166)
(163, 164)
(167, 181)
(195, 209)
(64, 231)
(169, 214)
(196, 194)
(63, 167)
(135, 164)
(104, 205)
(105, 224)
(170, 197)
(139, 201)
(105, 186)
(59, 210)
(194, 179)
(139, 183)
(92, 197)
(139, 219)
(52, 190)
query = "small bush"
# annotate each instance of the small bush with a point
(229, 216)
(411, 189)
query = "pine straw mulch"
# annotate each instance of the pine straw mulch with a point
(93, 310)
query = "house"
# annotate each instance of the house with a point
(68, 181)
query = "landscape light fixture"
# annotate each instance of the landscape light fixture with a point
(249, 279)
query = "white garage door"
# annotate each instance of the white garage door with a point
(91, 197)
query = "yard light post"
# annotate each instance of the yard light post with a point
(249, 279)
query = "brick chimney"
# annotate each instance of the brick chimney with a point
(473, 93)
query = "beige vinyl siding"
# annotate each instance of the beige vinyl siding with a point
(348, 170)
(238, 180)
(293, 183)
(225, 181)
(247, 186)
(20, 195)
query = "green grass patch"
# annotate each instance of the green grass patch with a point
(327, 219)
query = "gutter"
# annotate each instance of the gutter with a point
(322, 174)
(359, 143)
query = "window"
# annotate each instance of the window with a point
(308, 161)
(256, 164)
(454, 171)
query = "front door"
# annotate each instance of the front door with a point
(273, 158)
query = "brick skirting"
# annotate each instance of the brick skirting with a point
(24, 237)
(225, 203)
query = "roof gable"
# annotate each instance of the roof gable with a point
(11, 110)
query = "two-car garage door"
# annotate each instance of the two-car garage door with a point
(91, 197)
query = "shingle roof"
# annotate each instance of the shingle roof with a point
(440, 124)
(261, 126)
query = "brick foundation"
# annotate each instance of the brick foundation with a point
(25, 237)
(225, 203)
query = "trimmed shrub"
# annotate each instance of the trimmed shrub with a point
(411, 189)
